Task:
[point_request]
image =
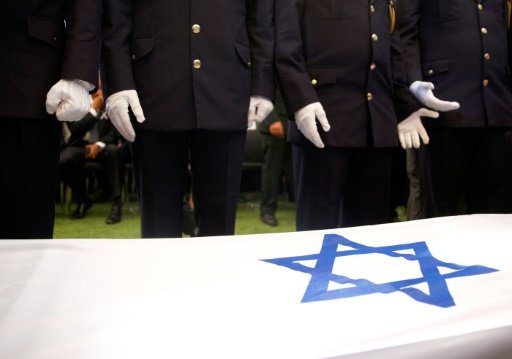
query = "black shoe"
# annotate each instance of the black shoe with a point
(115, 214)
(268, 219)
(81, 210)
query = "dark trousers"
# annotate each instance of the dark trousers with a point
(276, 162)
(72, 160)
(466, 170)
(415, 208)
(28, 177)
(341, 187)
(161, 161)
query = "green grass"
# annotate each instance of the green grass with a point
(247, 220)
(93, 225)
(248, 217)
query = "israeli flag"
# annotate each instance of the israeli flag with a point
(437, 288)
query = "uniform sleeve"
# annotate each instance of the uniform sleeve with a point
(294, 82)
(509, 24)
(260, 26)
(117, 28)
(408, 18)
(83, 37)
(405, 102)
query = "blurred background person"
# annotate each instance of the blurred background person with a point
(277, 161)
(44, 43)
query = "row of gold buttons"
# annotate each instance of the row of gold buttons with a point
(196, 29)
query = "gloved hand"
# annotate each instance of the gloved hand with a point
(423, 92)
(259, 108)
(306, 117)
(411, 129)
(117, 110)
(69, 100)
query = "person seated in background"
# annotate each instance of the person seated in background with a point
(92, 139)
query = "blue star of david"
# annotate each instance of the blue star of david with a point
(322, 275)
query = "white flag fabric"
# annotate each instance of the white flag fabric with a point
(437, 288)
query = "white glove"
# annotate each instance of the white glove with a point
(411, 129)
(423, 92)
(69, 100)
(306, 117)
(117, 110)
(259, 108)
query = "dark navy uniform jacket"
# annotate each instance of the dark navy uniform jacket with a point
(194, 63)
(462, 46)
(341, 53)
(42, 42)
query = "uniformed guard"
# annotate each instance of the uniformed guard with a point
(49, 53)
(462, 49)
(197, 66)
(341, 60)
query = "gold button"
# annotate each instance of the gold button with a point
(373, 66)
(480, 7)
(196, 29)
(314, 82)
(430, 72)
(197, 64)
(486, 83)
(372, 8)
(375, 37)
(483, 30)
(369, 96)
(487, 56)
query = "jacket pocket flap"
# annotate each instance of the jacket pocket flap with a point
(47, 31)
(244, 54)
(322, 75)
(141, 46)
(341, 8)
(433, 68)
